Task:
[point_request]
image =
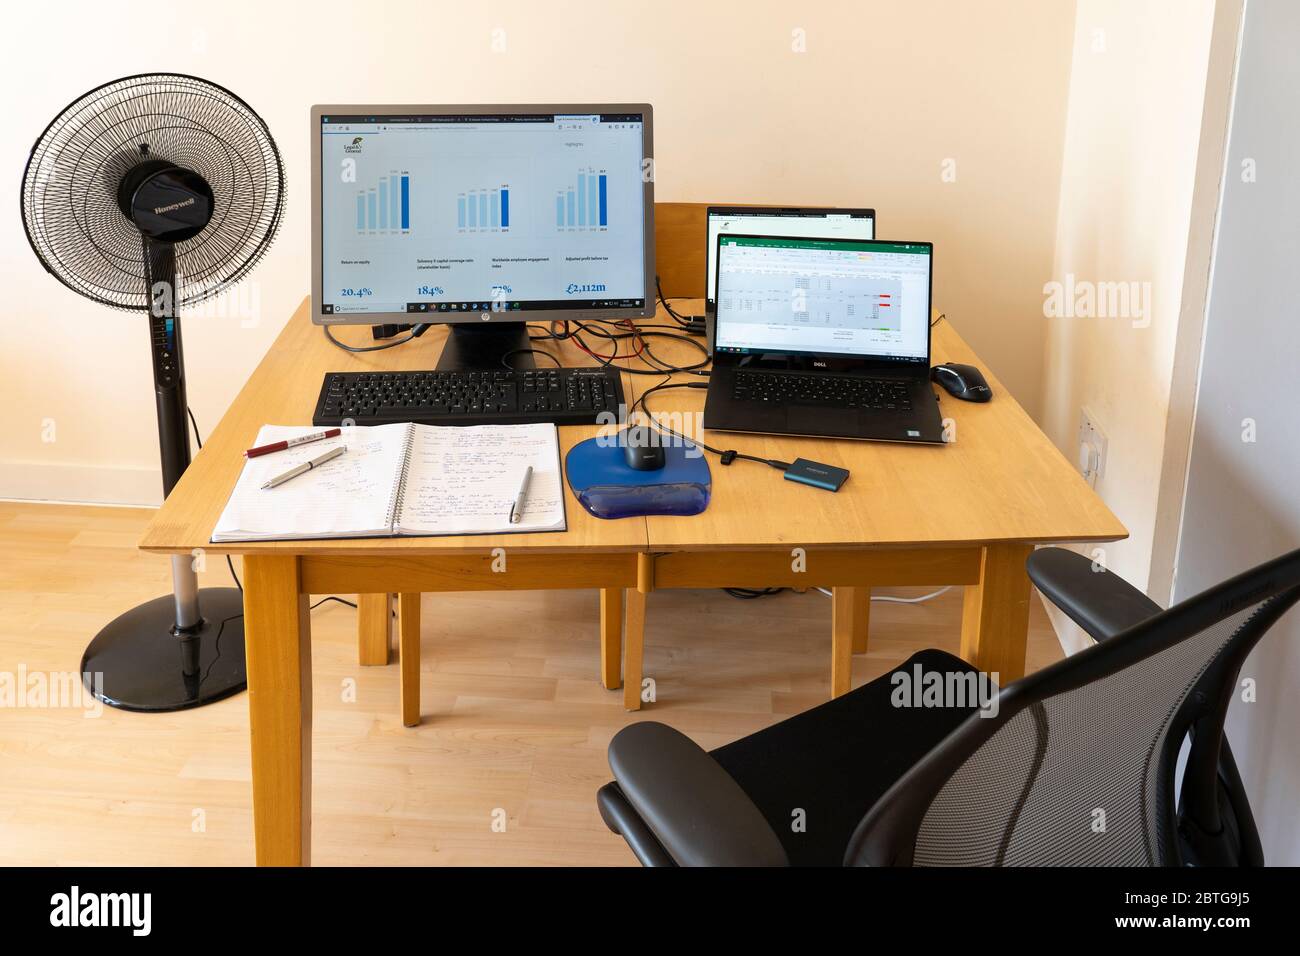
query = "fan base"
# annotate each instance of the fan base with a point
(140, 656)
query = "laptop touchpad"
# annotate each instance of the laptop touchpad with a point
(820, 420)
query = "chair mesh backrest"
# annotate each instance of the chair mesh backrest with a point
(1084, 777)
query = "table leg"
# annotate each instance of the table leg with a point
(277, 639)
(611, 638)
(848, 622)
(634, 641)
(633, 649)
(408, 656)
(374, 628)
(859, 616)
(995, 613)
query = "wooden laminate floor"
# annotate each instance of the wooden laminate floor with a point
(515, 720)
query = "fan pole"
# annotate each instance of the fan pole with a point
(168, 365)
(173, 429)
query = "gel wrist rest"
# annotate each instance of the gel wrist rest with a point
(606, 487)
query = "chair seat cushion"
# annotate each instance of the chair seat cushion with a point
(816, 774)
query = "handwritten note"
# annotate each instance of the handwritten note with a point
(464, 480)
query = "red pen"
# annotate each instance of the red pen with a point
(290, 442)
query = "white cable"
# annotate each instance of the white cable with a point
(898, 600)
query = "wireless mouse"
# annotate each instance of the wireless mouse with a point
(962, 381)
(641, 449)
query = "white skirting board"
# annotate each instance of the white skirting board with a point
(73, 482)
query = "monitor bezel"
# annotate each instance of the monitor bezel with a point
(836, 361)
(787, 212)
(646, 310)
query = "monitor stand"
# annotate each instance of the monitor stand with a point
(491, 345)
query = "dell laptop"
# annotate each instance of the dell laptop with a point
(823, 337)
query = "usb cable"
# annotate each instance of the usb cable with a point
(727, 456)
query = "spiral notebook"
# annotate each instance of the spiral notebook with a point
(399, 480)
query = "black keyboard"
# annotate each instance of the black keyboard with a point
(841, 391)
(565, 396)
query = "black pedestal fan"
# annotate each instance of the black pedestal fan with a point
(147, 194)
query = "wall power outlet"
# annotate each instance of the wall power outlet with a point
(1092, 448)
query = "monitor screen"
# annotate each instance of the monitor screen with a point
(482, 210)
(818, 223)
(824, 297)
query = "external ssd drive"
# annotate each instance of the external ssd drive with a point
(816, 474)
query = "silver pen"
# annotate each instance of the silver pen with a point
(517, 508)
(305, 467)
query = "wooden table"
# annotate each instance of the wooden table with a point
(279, 576)
(968, 513)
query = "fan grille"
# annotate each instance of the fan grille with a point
(69, 196)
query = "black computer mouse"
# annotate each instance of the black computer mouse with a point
(962, 381)
(641, 449)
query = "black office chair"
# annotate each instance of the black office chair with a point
(1077, 767)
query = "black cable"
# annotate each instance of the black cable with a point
(368, 348)
(685, 321)
(696, 369)
(558, 363)
(749, 594)
(217, 644)
(938, 319)
(631, 331)
(229, 563)
(728, 456)
(197, 440)
(234, 617)
(548, 334)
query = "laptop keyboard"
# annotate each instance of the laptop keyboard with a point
(841, 391)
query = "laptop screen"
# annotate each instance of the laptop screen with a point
(757, 221)
(842, 297)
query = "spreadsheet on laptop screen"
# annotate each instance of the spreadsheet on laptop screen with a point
(823, 297)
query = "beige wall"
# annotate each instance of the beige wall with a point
(884, 94)
(1129, 202)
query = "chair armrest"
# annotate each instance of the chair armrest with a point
(694, 808)
(627, 823)
(1101, 603)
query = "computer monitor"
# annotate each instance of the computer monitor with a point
(821, 222)
(482, 217)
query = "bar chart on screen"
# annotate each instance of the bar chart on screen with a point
(584, 203)
(385, 207)
(479, 210)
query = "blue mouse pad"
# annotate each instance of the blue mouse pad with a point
(604, 484)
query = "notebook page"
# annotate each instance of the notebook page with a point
(347, 497)
(463, 479)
